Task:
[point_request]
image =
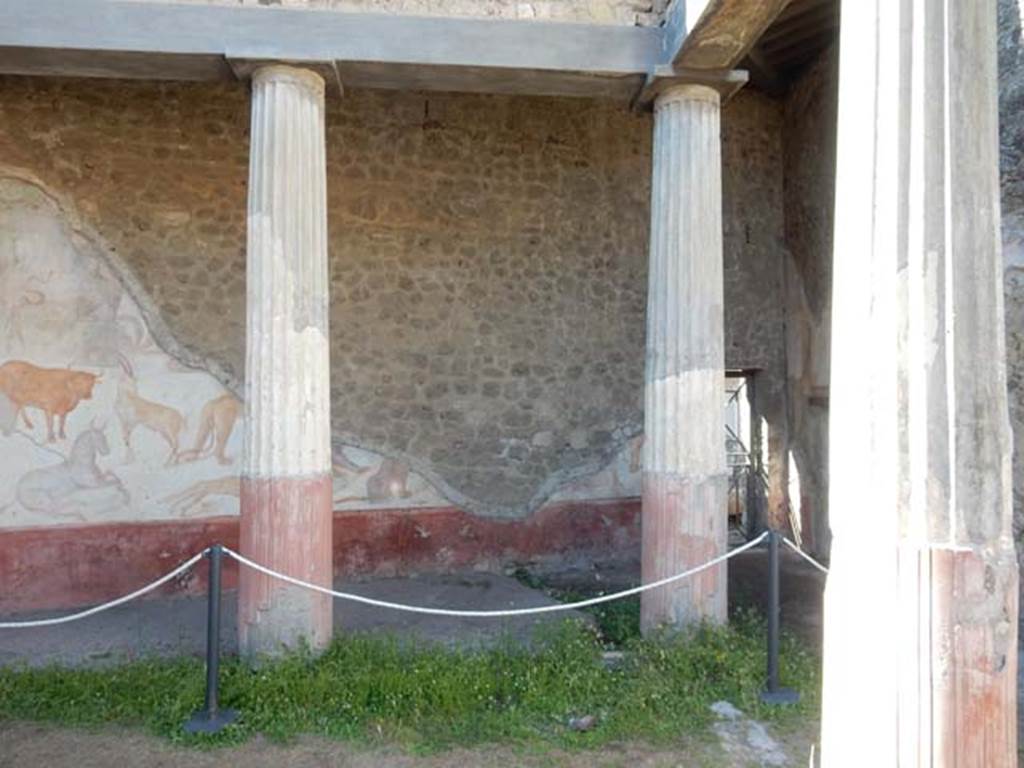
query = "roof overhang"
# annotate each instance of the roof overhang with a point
(210, 42)
(158, 41)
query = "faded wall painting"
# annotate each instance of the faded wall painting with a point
(619, 479)
(366, 480)
(99, 424)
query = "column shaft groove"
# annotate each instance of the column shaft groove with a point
(286, 480)
(684, 485)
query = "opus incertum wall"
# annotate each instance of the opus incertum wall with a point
(488, 284)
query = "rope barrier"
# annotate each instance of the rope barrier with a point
(493, 614)
(212, 719)
(106, 606)
(805, 556)
(402, 606)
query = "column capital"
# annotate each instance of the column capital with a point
(287, 73)
(687, 92)
(665, 79)
(309, 74)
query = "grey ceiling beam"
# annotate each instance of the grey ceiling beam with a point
(110, 38)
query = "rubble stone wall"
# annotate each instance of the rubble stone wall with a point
(488, 260)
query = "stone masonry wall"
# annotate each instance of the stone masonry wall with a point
(753, 222)
(488, 260)
(639, 12)
(1011, 107)
(810, 156)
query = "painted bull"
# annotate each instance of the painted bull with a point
(54, 391)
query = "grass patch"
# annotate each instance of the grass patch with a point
(617, 622)
(372, 689)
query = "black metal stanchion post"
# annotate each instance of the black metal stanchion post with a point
(773, 694)
(212, 718)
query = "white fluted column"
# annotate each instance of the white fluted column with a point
(286, 481)
(684, 482)
(920, 652)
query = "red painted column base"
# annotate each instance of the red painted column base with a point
(286, 526)
(683, 525)
(958, 609)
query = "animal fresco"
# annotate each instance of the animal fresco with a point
(388, 482)
(75, 486)
(54, 391)
(373, 481)
(341, 464)
(216, 424)
(77, 354)
(136, 411)
(188, 501)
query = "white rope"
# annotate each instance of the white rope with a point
(400, 606)
(493, 614)
(805, 556)
(106, 606)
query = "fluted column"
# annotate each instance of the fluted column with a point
(286, 481)
(684, 482)
(920, 652)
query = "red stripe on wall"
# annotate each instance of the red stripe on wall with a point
(67, 566)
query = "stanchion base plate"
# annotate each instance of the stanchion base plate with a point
(210, 722)
(781, 696)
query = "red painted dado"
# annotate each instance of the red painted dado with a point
(65, 566)
(68, 565)
(679, 534)
(394, 542)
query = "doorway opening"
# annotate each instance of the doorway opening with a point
(744, 451)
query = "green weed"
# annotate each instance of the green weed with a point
(370, 689)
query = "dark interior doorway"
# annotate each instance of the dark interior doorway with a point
(744, 451)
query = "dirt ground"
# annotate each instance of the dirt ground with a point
(31, 745)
